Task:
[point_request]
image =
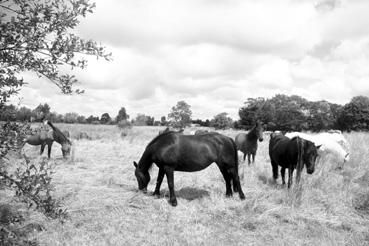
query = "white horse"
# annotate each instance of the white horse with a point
(333, 143)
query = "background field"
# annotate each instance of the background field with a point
(100, 193)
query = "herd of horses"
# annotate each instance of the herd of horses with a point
(174, 151)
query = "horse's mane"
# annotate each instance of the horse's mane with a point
(159, 136)
(59, 133)
(252, 131)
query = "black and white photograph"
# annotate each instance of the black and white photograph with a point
(187, 122)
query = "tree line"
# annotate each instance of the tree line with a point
(294, 113)
(281, 112)
(43, 111)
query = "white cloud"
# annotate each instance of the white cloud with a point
(216, 54)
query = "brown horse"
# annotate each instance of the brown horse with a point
(172, 151)
(44, 138)
(247, 142)
(293, 154)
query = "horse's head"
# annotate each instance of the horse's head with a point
(143, 178)
(66, 147)
(259, 130)
(309, 156)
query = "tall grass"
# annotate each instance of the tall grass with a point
(330, 207)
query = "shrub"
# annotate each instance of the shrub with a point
(30, 182)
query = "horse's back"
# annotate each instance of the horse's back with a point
(245, 145)
(240, 140)
(192, 152)
(283, 150)
(334, 143)
(39, 138)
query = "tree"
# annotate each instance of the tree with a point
(122, 115)
(70, 117)
(41, 111)
(105, 118)
(320, 116)
(249, 113)
(91, 119)
(355, 114)
(24, 114)
(81, 119)
(180, 115)
(144, 120)
(55, 117)
(150, 120)
(36, 36)
(163, 121)
(221, 121)
(201, 122)
(290, 118)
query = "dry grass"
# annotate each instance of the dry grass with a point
(100, 190)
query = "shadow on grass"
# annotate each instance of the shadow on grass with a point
(188, 193)
(270, 181)
(191, 193)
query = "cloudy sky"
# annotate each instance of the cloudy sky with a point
(214, 54)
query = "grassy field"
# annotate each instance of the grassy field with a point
(100, 192)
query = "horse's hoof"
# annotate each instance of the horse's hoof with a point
(173, 203)
(229, 194)
(242, 196)
(156, 194)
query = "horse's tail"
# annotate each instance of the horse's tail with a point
(235, 153)
(300, 161)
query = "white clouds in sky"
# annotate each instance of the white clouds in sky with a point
(216, 54)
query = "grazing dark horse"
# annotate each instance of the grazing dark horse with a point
(248, 143)
(292, 154)
(172, 151)
(199, 132)
(48, 137)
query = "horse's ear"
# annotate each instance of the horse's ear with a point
(317, 147)
(135, 164)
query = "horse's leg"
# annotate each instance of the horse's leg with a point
(244, 156)
(49, 149)
(253, 158)
(275, 170)
(283, 171)
(248, 159)
(227, 180)
(158, 182)
(169, 171)
(236, 181)
(290, 173)
(42, 148)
